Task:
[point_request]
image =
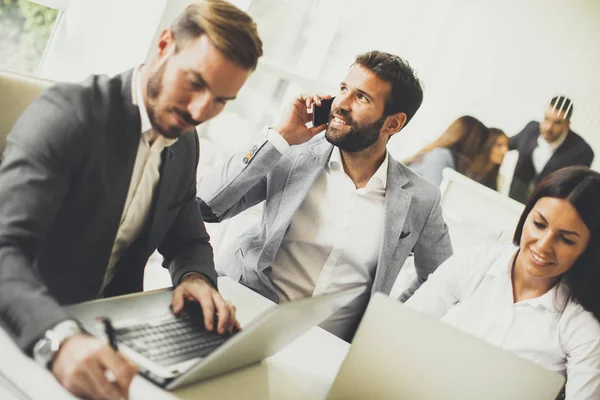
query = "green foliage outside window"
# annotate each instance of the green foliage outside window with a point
(25, 28)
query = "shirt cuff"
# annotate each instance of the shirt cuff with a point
(196, 274)
(277, 140)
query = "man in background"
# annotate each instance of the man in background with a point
(97, 175)
(339, 211)
(546, 147)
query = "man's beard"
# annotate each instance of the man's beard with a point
(358, 138)
(153, 91)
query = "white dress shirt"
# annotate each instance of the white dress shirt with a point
(144, 180)
(544, 151)
(333, 241)
(473, 292)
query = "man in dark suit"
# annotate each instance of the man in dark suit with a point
(96, 176)
(546, 147)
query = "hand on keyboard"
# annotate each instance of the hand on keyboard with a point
(196, 288)
(168, 341)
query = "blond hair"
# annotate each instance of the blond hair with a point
(229, 29)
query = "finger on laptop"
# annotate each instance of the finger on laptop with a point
(203, 295)
(233, 322)
(177, 301)
(224, 312)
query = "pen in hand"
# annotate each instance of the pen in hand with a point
(109, 330)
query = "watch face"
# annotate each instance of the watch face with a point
(43, 351)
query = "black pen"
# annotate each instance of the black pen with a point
(110, 333)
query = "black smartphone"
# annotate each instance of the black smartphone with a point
(321, 113)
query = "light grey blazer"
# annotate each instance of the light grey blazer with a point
(413, 216)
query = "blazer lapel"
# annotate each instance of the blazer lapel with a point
(121, 151)
(164, 190)
(124, 147)
(397, 204)
(554, 162)
(305, 170)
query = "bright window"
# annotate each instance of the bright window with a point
(26, 29)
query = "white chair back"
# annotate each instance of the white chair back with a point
(474, 211)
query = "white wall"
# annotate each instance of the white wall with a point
(172, 9)
(502, 61)
(101, 36)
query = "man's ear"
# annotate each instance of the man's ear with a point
(394, 123)
(166, 43)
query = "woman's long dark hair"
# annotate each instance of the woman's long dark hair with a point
(484, 171)
(581, 187)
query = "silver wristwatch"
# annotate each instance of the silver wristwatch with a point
(46, 348)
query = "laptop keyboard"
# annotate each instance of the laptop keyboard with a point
(172, 340)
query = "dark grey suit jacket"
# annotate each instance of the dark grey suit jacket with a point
(63, 184)
(573, 151)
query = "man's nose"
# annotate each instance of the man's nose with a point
(342, 101)
(545, 127)
(200, 105)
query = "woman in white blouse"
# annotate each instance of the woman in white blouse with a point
(539, 298)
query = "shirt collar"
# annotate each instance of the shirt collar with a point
(554, 145)
(138, 99)
(502, 266)
(552, 300)
(379, 178)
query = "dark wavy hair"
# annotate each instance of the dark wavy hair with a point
(581, 187)
(482, 168)
(407, 92)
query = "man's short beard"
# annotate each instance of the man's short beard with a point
(153, 90)
(358, 138)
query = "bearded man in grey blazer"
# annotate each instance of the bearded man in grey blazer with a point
(339, 211)
(97, 175)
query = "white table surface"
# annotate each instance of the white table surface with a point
(305, 369)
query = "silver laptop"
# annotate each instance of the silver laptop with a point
(399, 353)
(174, 351)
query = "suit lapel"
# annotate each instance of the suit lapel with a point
(122, 144)
(125, 146)
(305, 170)
(397, 204)
(551, 165)
(164, 190)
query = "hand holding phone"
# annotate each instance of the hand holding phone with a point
(321, 113)
(293, 125)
